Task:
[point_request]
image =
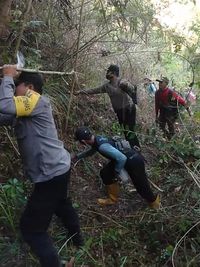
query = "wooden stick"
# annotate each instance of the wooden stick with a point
(45, 71)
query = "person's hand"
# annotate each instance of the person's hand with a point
(189, 111)
(74, 158)
(70, 263)
(10, 70)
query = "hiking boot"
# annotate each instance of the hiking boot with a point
(156, 203)
(113, 193)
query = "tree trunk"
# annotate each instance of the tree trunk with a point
(5, 6)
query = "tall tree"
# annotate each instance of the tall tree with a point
(5, 6)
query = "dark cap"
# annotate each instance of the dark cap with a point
(114, 69)
(163, 79)
(83, 133)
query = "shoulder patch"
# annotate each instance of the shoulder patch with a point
(26, 104)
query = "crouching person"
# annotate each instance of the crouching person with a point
(120, 156)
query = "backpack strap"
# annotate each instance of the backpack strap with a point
(121, 144)
(171, 100)
(132, 93)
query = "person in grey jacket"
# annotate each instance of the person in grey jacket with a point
(123, 97)
(44, 159)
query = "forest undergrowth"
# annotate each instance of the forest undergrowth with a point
(83, 38)
(128, 233)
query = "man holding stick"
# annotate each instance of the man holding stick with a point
(44, 159)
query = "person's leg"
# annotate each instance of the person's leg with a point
(35, 221)
(65, 211)
(136, 168)
(70, 219)
(43, 248)
(127, 119)
(170, 123)
(108, 177)
(162, 122)
(130, 121)
(107, 173)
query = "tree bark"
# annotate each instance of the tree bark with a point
(5, 6)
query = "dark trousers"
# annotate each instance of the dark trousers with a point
(48, 198)
(127, 119)
(167, 118)
(136, 169)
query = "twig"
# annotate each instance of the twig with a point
(108, 218)
(194, 176)
(180, 240)
(154, 185)
(44, 71)
(13, 145)
(66, 243)
(102, 252)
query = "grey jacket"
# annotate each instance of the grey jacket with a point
(43, 154)
(122, 94)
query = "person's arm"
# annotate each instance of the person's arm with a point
(112, 153)
(181, 101)
(7, 89)
(97, 90)
(130, 89)
(84, 154)
(16, 105)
